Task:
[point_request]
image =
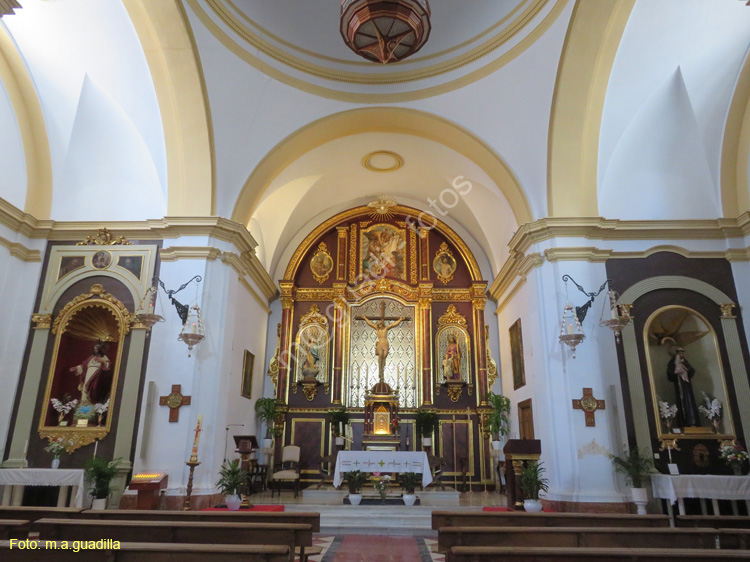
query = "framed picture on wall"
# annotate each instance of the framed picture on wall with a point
(516, 355)
(247, 374)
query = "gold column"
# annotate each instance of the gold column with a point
(341, 253)
(339, 319)
(479, 300)
(425, 355)
(287, 309)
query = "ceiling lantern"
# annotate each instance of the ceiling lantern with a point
(385, 30)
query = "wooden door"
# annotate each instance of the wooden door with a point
(525, 420)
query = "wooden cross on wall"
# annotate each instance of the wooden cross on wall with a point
(174, 400)
(589, 405)
(383, 317)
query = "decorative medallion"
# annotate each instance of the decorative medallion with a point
(589, 405)
(452, 316)
(701, 458)
(321, 263)
(444, 264)
(105, 238)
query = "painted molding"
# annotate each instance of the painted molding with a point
(735, 150)
(20, 251)
(636, 291)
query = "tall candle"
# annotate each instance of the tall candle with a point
(614, 312)
(96, 446)
(570, 328)
(198, 429)
(192, 328)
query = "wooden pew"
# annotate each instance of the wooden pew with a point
(523, 519)
(595, 537)
(714, 521)
(14, 529)
(575, 554)
(308, 518)
(150, 552)
(32, 513)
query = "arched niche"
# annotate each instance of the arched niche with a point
(665, 331)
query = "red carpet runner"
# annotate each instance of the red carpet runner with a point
(254, 508)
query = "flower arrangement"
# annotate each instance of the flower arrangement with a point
(667, 412)
(56, 447)
(734, 456)
(101, 409)
(711, 409)
(381, 484)
(395, 425)
(63, 407)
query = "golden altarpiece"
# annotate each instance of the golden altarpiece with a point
(383, 313)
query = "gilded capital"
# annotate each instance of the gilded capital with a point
(42, 321)
(727, 310)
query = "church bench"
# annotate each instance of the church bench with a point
(309, 518)
(599, 537)
(150, 552)
(197, 532)
(575, 554)
(715, 521)
(523, 519)
(32, 513)
(14, 529)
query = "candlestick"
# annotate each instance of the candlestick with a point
(96, 446)
(198, 429)
(570, 328)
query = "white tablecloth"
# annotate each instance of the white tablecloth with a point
(382, 461)
(46, 477)
(700, 486)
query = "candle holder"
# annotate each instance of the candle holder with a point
(192, 463)
(571, 331)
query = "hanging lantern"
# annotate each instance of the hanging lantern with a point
(192, 331)
(612, 318)
(146, 312)
(571, 331)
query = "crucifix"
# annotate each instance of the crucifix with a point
(589, 405)
(174, 400)
(381, 346)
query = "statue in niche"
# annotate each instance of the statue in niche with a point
(89, 373)
(452, 359)
(680, 372)
(310, 351)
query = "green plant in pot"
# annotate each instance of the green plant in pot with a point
(232, 483)
(533, 483)
(409, 482)
(265, 411)
(426, 422)
(498, 420)
(355, 480)
(339, 419)
(636, 465)
(99, 473)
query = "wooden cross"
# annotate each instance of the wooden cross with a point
(589, 405)
(383, 317)
(174, 400)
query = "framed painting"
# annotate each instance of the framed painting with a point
(516, 355)
(383, 252)
(247, 374)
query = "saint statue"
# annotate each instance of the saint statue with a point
(89, 373)
(381, 346)
(452, 360)
(680, 372)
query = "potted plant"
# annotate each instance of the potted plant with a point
(99, 474)
(426, 422)
(532, 483)
(265, 410)
(231, 483)
(636, 465)
(339, 419)
(498, 420)
(409, 482)
(354, 481)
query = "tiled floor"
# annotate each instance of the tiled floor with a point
(373, 548)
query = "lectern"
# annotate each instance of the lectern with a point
(517, 453)
(148, 486)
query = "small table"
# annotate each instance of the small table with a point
(14, 480)
(382, 461)
(675, 488)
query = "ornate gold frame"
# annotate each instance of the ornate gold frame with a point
(74, 436)
(452, 320)
(401, 232)
(708, 434)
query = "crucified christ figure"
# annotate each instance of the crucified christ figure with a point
(381, 346)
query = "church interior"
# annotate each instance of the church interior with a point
(499, 250)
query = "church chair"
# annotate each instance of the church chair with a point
(287, 470)
(327, 466)
(437, 464)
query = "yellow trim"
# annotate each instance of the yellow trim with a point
(20, 87)
(170, 50)
(367, 161)
(303, 85)
(735, 152)
(20, 251)
(586, 62)
(383, 120)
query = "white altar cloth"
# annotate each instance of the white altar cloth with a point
(706, 486)
(382, 461)
(46, 477)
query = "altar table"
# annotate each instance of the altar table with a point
(382, 461)
(675, 488)
(63, 477)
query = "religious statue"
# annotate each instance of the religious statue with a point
(381, 346)
(680, 372)
(89, 373)
(452, 360)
